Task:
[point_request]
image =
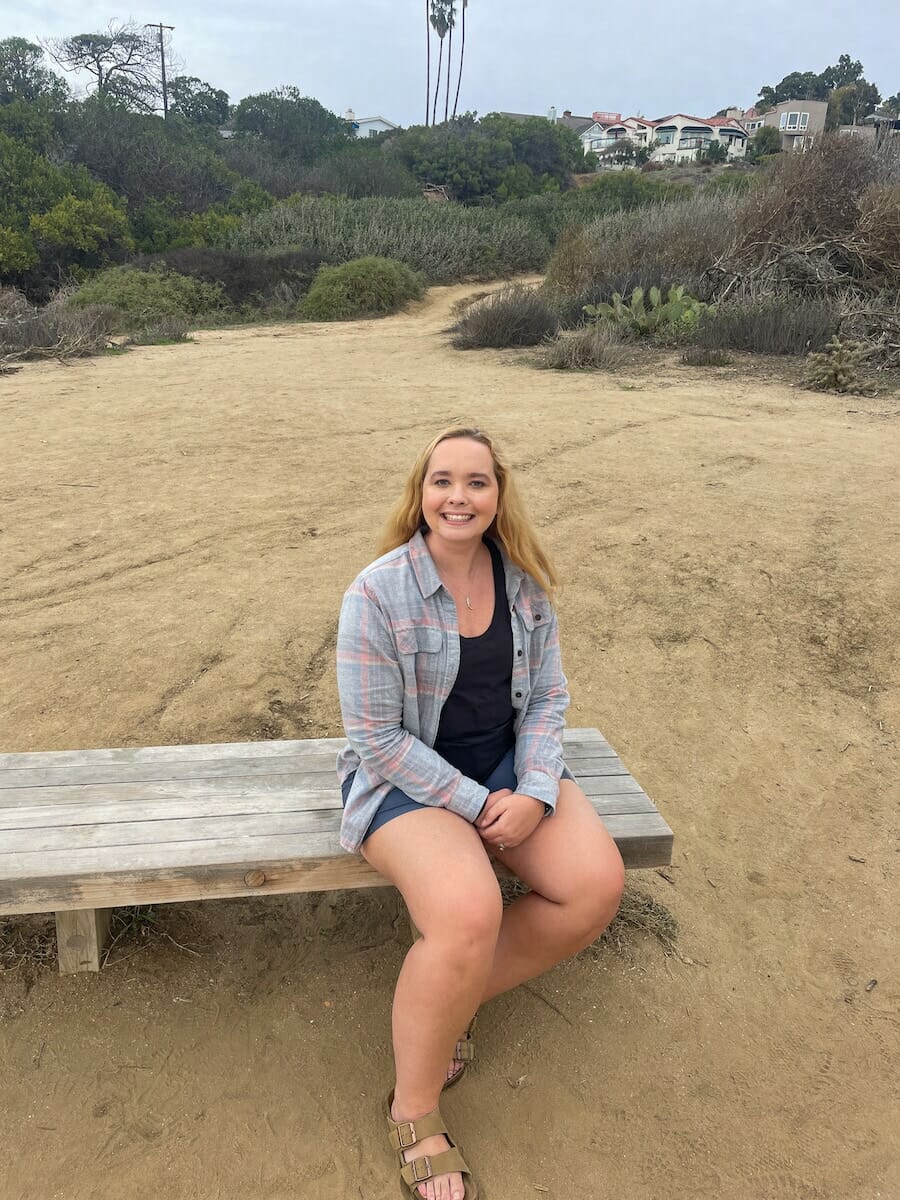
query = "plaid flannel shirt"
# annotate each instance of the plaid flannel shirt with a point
(397, 661)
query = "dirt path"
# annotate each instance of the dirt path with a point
(178, 526)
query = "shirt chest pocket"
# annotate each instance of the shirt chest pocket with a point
(419, 648)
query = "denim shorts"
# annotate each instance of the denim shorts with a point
(396, 803)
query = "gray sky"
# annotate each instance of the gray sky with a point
(521, 55)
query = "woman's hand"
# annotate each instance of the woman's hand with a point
(508, 818)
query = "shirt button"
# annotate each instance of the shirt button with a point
(519, 653)
(537, 616)
(518, 695)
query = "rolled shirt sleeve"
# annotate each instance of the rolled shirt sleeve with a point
(539, 755)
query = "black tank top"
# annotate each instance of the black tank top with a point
(476, 725)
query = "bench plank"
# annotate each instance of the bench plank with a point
(203, 870)
(27, 828)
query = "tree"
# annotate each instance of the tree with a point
(124, 63)
(849, 104)
(23, 76)
(293, 125)
(198, 102)
(462, 54)
(714, 152)
(799, 85)
(427, 59)
(443, 14)
(892, 104)
(766, 140)
(844, 72)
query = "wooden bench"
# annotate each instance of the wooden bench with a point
(84, 831)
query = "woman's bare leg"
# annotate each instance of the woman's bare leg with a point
(576, 875)
(440, 865)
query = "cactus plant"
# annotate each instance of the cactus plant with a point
(834, 369)
(651, 314)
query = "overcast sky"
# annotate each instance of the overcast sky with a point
(695, 56)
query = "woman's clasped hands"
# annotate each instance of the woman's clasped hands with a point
(508, 818)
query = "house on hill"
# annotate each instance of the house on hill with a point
(363, 127)
(799, 122)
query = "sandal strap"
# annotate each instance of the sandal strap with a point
(404, 1134)
(420, 1170)
(465, 1047)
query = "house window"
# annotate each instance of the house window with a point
(804, 120)
(374, 133)
(793, 120)
(665, 139)
(782, 124)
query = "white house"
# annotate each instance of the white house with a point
(678, 137)
(363, 127)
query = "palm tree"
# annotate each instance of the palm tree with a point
(451, 21)
(462, 53)
(427, 60)
(440, 20)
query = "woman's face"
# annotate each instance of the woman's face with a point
(460, 492)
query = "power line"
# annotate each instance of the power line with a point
(162, 62)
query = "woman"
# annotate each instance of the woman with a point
(452, 695)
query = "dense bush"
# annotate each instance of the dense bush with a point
(144, 296)
(365, 287)
(785, 325)
(444, 241)
(53, 331)
(251, 279)
(682, 238)
(615, 191)
(514, 316)
(598, 345)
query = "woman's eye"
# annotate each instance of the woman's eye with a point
(478, 483)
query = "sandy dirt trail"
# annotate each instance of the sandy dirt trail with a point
(177, 526)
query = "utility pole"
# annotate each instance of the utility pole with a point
(162, 63)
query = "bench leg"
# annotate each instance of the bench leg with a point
(80, 935)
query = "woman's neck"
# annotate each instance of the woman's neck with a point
(457, 561)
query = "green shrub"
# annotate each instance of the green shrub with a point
(252, 279)
(144, 296)
(514, 316)
(834, 369)
(164, 331)
(654, 314)
(730, 181)
(365, 287)
(444, 241)
(599, 345)
(700, 356)
(778, 325)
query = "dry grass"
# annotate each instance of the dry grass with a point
(54, 331)
(639, 912)
(599, 346)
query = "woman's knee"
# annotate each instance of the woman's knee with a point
(467, 920)
(597, 894)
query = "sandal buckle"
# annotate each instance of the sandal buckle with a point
(426, 1172)
(406, 1134)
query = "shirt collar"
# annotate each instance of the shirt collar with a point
(426, 572)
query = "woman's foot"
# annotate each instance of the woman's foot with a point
(441, 1187)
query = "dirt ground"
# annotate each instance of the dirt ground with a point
(178, 526)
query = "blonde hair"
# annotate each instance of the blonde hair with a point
(511, 526)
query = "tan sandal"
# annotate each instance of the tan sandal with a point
(463, 1054)
(405, 1134)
